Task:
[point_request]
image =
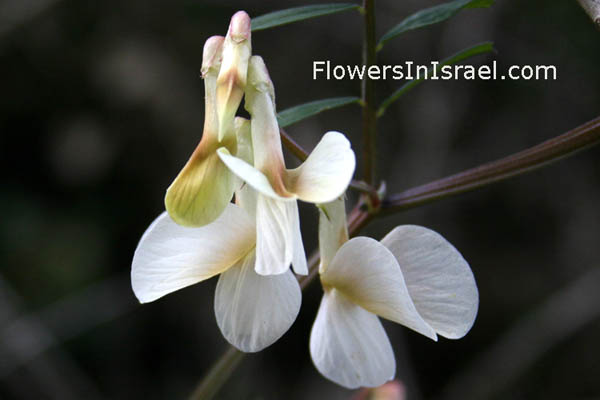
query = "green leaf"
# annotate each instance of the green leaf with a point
(298, 14)
(480, 48)
(430, 16)
(303, 111)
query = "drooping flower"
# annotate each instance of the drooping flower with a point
(413, 277)
(204, 187)
(324, 176)
(252, 311)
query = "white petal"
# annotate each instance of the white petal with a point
(333, 230)
(246, 198)
(438, 278)
(244, 139)
(367, 273)
(327, 171)
(278, 239)
(253, 311)
(348, 344)
(298, 255)
(170, 257)
(245, 195)
(250, 175)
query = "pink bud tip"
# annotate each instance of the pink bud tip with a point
(211, 52)
(239, 27)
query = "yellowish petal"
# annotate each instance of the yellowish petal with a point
(202, 189)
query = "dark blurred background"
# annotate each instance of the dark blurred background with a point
(101, 105)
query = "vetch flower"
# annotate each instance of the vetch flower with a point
(323, 177)
(252, 311)
(204, 187)
(413, 277)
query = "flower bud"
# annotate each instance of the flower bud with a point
(231, 81)
(239, 28)
(212, 55)
(260, 103)
(211, 63)
(259, 80)
(204, 187)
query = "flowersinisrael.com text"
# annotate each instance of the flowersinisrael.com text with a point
(431, 71)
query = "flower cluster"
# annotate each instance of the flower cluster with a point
(413, 277)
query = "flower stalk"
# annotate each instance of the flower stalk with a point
(543, 154)
(218, 374)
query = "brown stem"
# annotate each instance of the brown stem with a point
(369, 112)
(531, 159)
(292, 146)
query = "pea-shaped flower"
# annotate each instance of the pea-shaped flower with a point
(323, 177)
(413, 277)
(252, 311)
(204, 187)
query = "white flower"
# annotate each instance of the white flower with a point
(323, 177)
(413, 277)
(204, 187)
(252, 311)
